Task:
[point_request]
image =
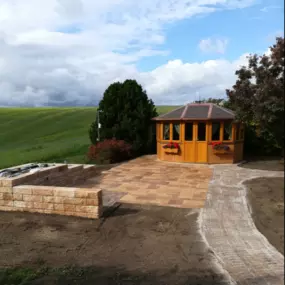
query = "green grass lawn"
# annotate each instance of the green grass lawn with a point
(47, 134)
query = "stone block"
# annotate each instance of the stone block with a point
(59, 208)
(23, 204)
(93, 194)
(32, 198)
(69, 213)
(92, 202)
(74, 201)
(48, 199)
(59, 200)
(45, 206)
(7, 196)
(7, 182)
(43, 190)
(6, 203)
(6, 208)
(23, 189)
(47, 211)
(86, 209)
(64, 192)
(81, 193)
(34, 210)
(17, 197)
(69, 208)
(6, 189)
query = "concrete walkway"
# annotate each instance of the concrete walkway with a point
(228, 228)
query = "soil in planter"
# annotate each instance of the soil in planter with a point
(266, 197)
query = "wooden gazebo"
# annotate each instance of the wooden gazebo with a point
(199, 133)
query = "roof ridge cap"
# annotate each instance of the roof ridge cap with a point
(226, 110)
(184, 111)
(210, 110)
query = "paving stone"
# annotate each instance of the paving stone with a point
(148, 181)
(246, 255)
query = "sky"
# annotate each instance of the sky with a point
(67, 52)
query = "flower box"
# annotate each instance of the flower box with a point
(220, 148)
(172, 150)
(220, 151)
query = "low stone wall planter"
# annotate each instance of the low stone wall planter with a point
(41, 192)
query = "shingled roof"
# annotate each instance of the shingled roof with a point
(201, 111)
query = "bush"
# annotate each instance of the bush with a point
(255, 145)
(110, 151)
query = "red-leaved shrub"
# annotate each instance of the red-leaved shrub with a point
(110, 151)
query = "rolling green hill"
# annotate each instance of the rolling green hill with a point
(46, 134)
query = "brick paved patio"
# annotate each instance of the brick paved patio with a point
(146, 180)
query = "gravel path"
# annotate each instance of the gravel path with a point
(227, 226)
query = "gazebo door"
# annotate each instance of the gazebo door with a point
(189, 142)
(195, 140)
(201, 142)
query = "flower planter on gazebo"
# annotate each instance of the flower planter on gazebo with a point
(172, 151)
(199, 133)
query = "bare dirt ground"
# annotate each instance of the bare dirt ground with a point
(266, 197)
(132, 245)
(264, 163)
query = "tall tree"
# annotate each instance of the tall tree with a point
(224, 102)
(258, 95)
(125, 114)
(210, 100)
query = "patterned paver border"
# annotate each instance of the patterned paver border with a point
(228, 228)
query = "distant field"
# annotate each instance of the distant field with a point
(46, 134)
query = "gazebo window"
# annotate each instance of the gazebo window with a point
(176, 132)
(201, 131)
(228, 131)
(166, 131)
(188, 131)
(216, 131)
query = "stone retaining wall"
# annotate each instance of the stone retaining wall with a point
(39, 192)
(58, 175)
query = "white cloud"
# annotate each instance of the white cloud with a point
(60, 52)
(266, 9)
(178, 82)
(272, 37)
(213, 45)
